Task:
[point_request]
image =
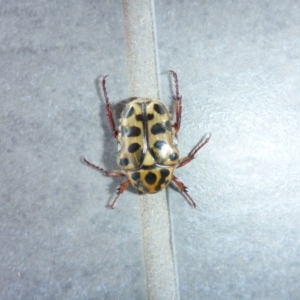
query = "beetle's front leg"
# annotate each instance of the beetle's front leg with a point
(109, 113)
(177, 99)
(191, 155)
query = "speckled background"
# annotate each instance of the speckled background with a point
(239, 69)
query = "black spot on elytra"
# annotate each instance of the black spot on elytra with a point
(133, 131)
(159, 144)
(150, 178)
(158, 128)
(173, 156)
(139, 117)
(150, 117)
(129, 112)
(159, 109)
(164, 174)
(168, 126)
(133, 147)
(124, 162)
(136, 176)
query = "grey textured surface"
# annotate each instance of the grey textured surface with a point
(239, 70)
(239, 67)
(58, 239)
(155, 219)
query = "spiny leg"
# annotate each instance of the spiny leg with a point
(191, 155)
(183, 189)
(121, 189)
(112, 173)
(177, 99)
(109, 113)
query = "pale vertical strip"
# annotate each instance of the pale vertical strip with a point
(142, 66)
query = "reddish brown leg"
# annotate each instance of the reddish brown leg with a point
(191, 155)
(177, 99)
(121, 189)
(183, 189)
(107, 173)
(113, 173)
(109, 109)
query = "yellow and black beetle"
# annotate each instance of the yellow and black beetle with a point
(148, 152)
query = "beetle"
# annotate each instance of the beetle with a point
(147, 139)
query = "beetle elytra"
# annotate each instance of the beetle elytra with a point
(148, 152)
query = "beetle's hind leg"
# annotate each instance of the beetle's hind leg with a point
(121, 189)
(183, 190)
(192, 154)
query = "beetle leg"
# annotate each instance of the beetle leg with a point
(112, 173)
(109, 113)
(121, 189)
(183, 189)
(191, 155)
(177, 99)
